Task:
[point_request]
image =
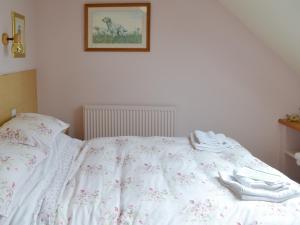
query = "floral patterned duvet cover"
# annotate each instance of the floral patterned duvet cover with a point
(161, 181)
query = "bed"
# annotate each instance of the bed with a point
(122, 180)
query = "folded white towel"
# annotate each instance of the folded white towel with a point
(210, 138)
(204, 147)
(251, 194)
(248, 182)
(218, 138)
(266, 199)
(269, 177)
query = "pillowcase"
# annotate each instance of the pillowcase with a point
(17, 163)
(32, 129)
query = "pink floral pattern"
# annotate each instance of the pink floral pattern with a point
(31, 129)
(13, 135)
(185, 179)
(150, 181)
(6, 163)
(201, 211)
(91, 169)
(17, 163)
(86, 197)
(43, 129)
(7, 190)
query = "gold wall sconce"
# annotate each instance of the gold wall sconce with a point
(18, 36)
(17, 47)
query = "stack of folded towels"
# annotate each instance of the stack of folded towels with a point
(259, 185)
(297, 157)
(209, 141)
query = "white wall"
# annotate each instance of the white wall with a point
(276, 22)
(9, 64)
(202, 60)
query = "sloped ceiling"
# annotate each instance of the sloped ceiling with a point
(277, 22)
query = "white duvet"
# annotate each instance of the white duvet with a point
(160, 181)
(157, 181)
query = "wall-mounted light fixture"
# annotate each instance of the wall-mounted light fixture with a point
(17, 46)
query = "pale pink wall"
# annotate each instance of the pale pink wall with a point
(202, 60)
(7, 63)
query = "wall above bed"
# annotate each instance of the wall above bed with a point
(202, 60)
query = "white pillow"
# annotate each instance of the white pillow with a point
(32, 129)
(17, 163)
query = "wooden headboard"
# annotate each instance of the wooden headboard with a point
(17, 90)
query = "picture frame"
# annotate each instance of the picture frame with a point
(120, 27)
(18, 26)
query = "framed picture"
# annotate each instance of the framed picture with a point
(117, 27)
(18, 26)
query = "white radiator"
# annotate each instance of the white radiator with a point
(120, 120)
